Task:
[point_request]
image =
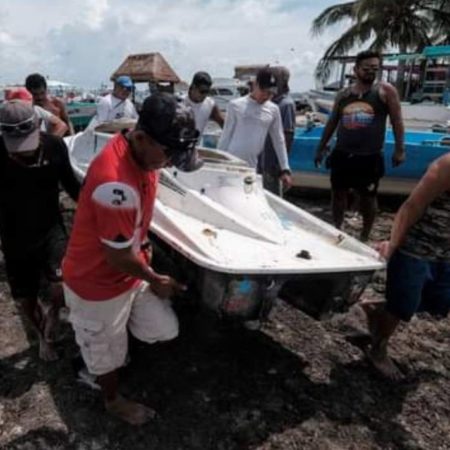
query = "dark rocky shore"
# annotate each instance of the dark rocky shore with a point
(297, 384)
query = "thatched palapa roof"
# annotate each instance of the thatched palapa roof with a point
(147, 67)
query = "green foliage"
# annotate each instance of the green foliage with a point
(406, 25)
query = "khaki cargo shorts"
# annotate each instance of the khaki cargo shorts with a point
(101, 326)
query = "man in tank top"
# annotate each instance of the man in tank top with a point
(357, 161)
(418, 255)
(203, 106)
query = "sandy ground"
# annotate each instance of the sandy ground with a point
(296, 384)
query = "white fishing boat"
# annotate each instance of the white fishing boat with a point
(240, 245)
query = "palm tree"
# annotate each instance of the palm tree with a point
(406, 25)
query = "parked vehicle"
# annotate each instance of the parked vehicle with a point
(224, 90)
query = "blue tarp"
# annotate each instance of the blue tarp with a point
(433, 51)
(404, 57)
(436, 51)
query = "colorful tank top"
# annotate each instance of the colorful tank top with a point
(362, 122)
(429, 238)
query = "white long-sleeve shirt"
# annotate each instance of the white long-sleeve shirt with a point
(247, 125)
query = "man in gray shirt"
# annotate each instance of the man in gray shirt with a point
(250, 120)
(268, 164)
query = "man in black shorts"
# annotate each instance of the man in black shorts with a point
(32, 166)
(357, 162)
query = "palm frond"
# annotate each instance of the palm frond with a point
(403, 24)
(346, 42)
(331, 16)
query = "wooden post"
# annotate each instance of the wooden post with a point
(408, 83)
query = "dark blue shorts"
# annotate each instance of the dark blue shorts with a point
(416, 285)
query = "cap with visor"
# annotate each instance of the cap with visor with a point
(172, 125)
(19, 126)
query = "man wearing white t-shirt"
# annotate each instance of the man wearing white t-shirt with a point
(203, 107)
(116, 105)
(250, 120)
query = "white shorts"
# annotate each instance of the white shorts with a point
(101, 326)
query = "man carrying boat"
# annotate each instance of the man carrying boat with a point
(32, 166)
(37, 86)
(250, 120)
(268, 162)
(109, 286)
(357, 163)
(418, 255)
(202, 105)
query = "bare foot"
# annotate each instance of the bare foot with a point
(129, 411)
(46, 351)
(385, 366)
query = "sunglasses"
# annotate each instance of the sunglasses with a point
(186, 142)
(24, 127)
(369, 69)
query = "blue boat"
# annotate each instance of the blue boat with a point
(421, 149)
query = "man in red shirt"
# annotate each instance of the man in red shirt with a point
(108, 284)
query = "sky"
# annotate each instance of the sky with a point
(82, 42)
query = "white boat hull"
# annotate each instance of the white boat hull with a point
(221, 220)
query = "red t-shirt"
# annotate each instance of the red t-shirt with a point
(114, 209)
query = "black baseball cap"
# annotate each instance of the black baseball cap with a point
(171, 124)
(202, 79)
(266, 79)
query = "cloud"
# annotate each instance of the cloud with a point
(84, 41)
(95, 12)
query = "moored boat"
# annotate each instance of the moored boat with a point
(421, 149)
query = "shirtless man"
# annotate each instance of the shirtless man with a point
(37, 86)
(49, 123)
(418, 255)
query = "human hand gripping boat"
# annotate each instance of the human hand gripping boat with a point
(238, 246)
